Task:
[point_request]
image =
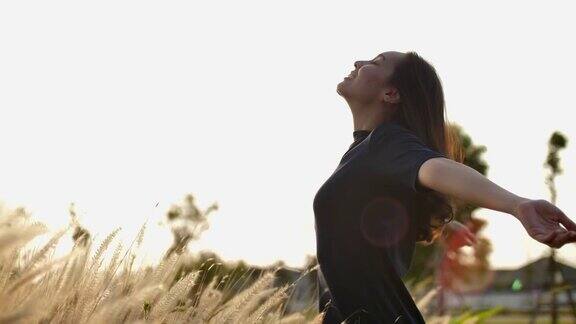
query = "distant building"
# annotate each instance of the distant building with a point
(517, 289)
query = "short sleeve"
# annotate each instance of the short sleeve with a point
(397, 155)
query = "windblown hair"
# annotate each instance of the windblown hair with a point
(422, 111)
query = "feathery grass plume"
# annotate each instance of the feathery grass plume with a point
(208, 301)
(7, 270)
(159, 272)
(41, 254)
(140, 235)
(178, 290)
(131, 304)
(87, 295)
(111, 270)
(72, 291)
(143, 279)
(105, 295)
(60, 283)
(230, 287)
(75, 269)
(15, 236)
(26, 278)
(112, 274)
(45, 287)
(234, 306)
(80, 265)
(100, 251)
(166, 268)
(92, 280)
(127, 273)
(251, 304)
(72, 274)
(24, 257)
(278, 297)
(13, 216)
(103, 290)
(74, 288)
(139, 240)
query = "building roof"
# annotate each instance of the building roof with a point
(531, 276)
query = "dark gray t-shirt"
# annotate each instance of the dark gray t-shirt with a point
(365, 216)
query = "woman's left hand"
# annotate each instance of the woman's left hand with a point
(458, 235)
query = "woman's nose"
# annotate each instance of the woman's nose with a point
(358, 64)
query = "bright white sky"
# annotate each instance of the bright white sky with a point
(119, 105)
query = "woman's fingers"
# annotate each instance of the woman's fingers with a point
(567, 222)
(547, 238)
(562, 218)
(563, 238)
(558, 238)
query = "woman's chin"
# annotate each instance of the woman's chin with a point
(340, 88)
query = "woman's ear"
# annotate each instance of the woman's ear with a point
(391, 95)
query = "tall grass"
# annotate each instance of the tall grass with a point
(36, 287)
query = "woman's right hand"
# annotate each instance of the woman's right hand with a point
(458, 235)
(542, 220)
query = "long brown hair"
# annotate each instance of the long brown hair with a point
(422, 111)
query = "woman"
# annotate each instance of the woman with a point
(394, 187)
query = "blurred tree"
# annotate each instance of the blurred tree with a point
(186, 222)
(556, 142)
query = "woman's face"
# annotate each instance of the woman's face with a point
(369, 81)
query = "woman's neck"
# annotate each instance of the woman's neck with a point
(368, 121)
(369, 116)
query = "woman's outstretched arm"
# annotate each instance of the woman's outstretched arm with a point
(540, 218)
